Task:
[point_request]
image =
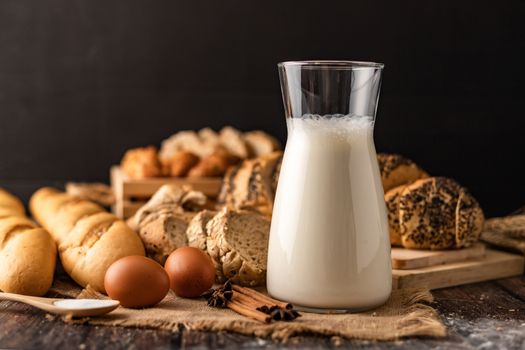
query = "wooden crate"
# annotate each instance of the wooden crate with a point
(131, 194)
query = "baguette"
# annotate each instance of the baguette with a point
(27, 252)
(89, 239)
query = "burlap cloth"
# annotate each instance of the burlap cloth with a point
(403, 315)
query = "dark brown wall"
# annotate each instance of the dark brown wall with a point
(82, 81)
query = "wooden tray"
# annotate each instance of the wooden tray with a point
(406, 259)
(131, 194)
(494, 265)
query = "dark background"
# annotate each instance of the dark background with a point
(82, 81)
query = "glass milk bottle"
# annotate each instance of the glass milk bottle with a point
(329, 245)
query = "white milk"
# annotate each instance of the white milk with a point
(329, 244)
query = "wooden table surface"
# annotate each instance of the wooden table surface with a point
(489, 315)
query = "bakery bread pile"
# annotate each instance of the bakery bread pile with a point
(427, 212)
(205, 153)
(27, 252)
(236, 240)
(89, 239)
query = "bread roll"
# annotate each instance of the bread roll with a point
(397, 170)
(233, 140)
(261, 143)
(140, 163)
(10, 205)
(437, 213)
(89, 239)
(27, 252)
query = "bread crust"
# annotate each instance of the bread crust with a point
(27, 252)
(392, 206)
(437, 213)
(140, 163)
(89, 238)
(397, 170)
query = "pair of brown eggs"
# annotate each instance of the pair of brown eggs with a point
(137, 281)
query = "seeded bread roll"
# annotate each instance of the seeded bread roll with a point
(238, 245)
(397, 170)
(437, 213)
(27, 252)
(89, 239)
(392, 206)
(196, 231)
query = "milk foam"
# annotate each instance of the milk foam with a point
(329, 245)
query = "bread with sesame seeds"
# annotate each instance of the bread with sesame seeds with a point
(438, 213)
(397, 170)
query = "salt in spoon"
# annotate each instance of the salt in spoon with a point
(73, 307)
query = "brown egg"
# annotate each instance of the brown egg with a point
(136, 281)
(191, 272)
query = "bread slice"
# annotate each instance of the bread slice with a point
(392, 206)
(469, 220)
(163, 232)
(260, 143)
(233, 140)
(238, 245)
(196, 231)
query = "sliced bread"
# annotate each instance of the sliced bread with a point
(196, 231)
(238, 244)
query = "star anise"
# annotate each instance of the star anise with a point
(219, 296)
(279, 314)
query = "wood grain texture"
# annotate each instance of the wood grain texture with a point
(475, 314)
(494, 265)
(406, 259)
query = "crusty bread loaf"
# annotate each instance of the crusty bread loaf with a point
(27, 252)
(196, 231)
(392, 206)
(10, 205)
(250, 186)
(162, 222)
(261, 143)
(397, 170)
(238, 245)
(437, 213)
(89, 239)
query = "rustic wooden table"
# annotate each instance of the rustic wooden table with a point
(489, 315)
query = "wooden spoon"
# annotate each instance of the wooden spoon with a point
(73, 307)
